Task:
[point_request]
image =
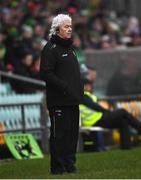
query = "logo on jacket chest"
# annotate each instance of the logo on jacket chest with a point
(65, 55)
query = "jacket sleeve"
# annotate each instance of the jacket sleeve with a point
(93, 105)
(47, 70)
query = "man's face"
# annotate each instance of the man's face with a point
(65, 30)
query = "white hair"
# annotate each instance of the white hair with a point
(57, 22)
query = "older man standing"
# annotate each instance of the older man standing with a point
(60, 69)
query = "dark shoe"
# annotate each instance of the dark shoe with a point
(55, 172)
(71, 169)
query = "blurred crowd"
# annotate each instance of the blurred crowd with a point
(25, 24)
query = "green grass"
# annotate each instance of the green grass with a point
(115, 164)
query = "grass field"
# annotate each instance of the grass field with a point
(113, 164)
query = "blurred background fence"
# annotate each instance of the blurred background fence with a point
(131, 6)
(119, 71)
(23, 112)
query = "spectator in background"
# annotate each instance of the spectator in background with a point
(92, 114)
(36, 45)
(132, 27)
(80, 54)
(92, 73)
(39, 31)
(2, 50)
(59, 68)
(26, 37)
(35, 68)
(24, 69)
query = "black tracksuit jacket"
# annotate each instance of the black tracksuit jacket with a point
(59, 68)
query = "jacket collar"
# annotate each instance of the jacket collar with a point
(60, 41)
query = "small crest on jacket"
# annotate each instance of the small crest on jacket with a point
(64, 55)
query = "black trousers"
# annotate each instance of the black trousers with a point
(63, 137)
(121, 120)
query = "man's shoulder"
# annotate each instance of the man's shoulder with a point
(50, 45)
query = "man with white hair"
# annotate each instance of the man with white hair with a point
(60, 69)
